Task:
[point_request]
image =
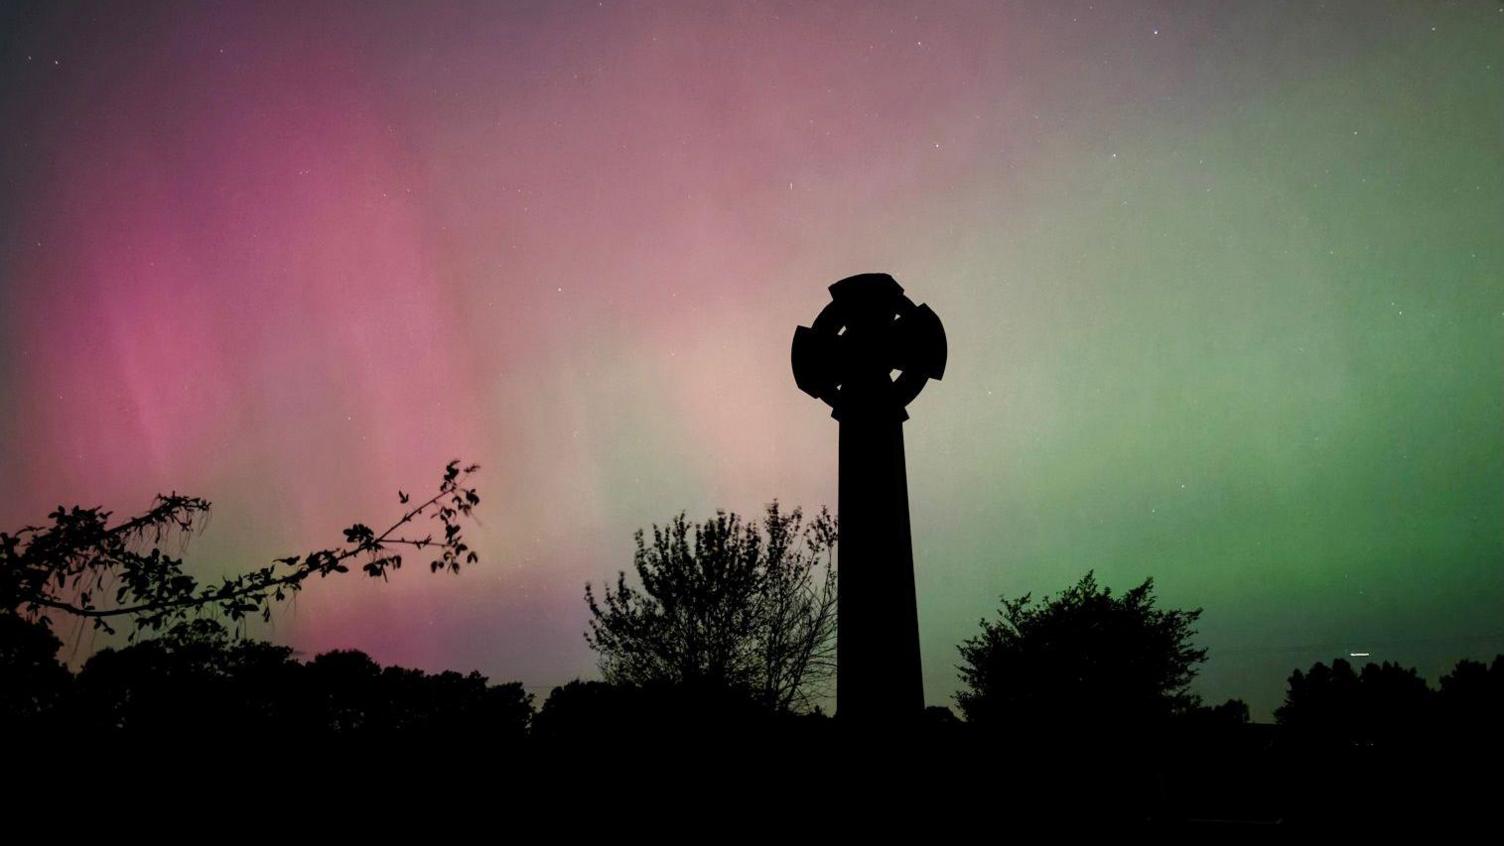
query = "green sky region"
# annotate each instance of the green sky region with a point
(1257, 356)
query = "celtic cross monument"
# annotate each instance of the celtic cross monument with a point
(867, 355)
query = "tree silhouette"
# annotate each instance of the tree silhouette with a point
(84, 566)
(1085, 657)
(1233, 712)
(33, 683)
(1470, 700)
(675, 716)
(725, 605)
(1382, 703)
(195, 680)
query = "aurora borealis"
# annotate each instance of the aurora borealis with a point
(1223, 284)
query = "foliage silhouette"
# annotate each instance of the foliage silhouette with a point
(725, 605)
(1233, 712)
(673, 715)
(1382, 704)
(197, 680)
(81, 565)
(33, 683)
(1470, 701)
(189, 680)
(1381, 736)
(1085, 657)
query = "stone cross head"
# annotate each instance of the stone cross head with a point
(870, 350)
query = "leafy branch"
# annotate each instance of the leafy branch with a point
(83, 566)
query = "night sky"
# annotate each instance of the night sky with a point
(1223, 284)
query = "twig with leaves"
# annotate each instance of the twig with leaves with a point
(67, 567)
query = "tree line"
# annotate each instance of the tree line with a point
(722, 637)
(726, 613)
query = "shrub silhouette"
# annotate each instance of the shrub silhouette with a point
(1084, 658)
(724, 606)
